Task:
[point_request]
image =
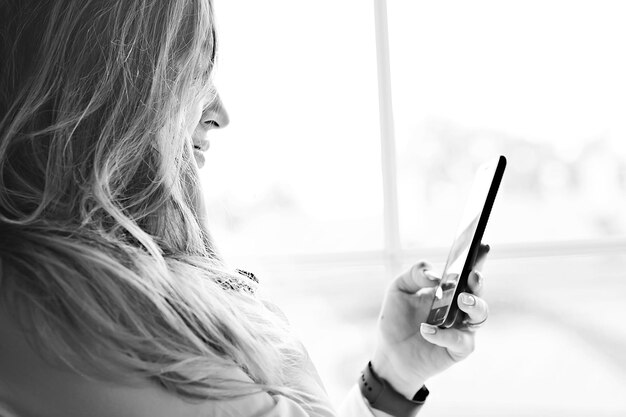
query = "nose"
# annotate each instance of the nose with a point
(215, 116)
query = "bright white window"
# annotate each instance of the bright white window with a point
(298, 169)
(539, 81)
(296, 191)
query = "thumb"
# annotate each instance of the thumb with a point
(416, 278)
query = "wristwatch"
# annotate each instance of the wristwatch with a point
(383, 397)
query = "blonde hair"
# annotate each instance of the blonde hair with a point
(104, 252)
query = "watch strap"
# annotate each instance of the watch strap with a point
(383, 397)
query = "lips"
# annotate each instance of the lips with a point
(201, 145)
(199, 156)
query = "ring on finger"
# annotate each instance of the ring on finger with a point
(476, 325)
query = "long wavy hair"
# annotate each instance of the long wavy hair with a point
(106, 257)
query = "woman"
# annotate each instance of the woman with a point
(113, 298)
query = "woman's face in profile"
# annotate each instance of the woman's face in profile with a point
(207, 113)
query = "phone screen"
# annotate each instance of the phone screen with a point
(467, 239)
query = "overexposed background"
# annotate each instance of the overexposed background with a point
(295, 186)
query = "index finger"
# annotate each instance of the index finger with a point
(475, 282)
(417, 277)
(483, 250)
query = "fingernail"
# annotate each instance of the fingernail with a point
(428, 329)
(430, 275)
(468, 299)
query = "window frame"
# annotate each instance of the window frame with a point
(394, 256)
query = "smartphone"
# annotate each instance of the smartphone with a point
(466, 248)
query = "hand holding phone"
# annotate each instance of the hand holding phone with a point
(466, 248)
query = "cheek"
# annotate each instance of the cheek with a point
(193, 118)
